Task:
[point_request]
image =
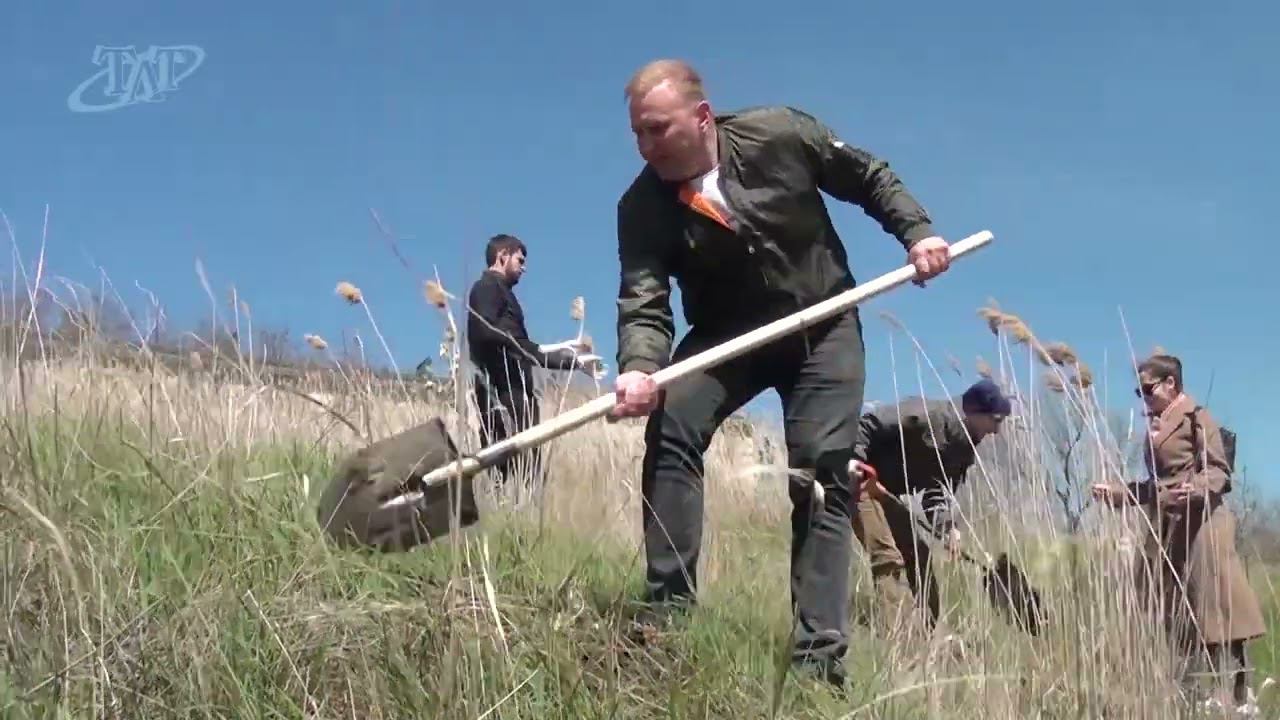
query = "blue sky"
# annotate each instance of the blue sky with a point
(1124, 157)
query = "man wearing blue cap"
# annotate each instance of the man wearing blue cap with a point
(916, 445)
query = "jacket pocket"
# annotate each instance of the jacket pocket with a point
(713, 251)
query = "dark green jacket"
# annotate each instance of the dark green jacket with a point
(784, 253)
(937, 450)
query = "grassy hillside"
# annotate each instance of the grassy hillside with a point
(161, 559)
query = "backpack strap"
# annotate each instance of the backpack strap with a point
(1196, 441)
(1198, 444)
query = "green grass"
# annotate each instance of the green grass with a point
(161, 559)
(228, 603)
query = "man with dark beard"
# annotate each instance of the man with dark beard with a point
(504, 356)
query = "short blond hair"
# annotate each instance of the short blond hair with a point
(681, 74)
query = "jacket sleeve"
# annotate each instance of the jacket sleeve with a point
(938, 508)
(856, 176)
(486, 305)
(871, 428)
(645, 324)
(1139, 493)
(937, 501)
(883, 424)
(557, 359)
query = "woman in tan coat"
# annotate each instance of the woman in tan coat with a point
(1208, 605)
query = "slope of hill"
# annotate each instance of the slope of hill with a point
(162, 560)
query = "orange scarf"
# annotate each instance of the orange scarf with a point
(700, 204)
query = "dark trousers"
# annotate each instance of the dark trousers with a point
(819, 374)
(505, 409)
(1229, 660)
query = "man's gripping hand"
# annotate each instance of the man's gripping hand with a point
(867, 480)
(931, 257)
(636, 395)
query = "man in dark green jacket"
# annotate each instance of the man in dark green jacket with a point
(916, 446)
(731, 207)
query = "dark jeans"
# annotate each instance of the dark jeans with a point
(819, 374)
(505, 409)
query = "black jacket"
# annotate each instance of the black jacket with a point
(932, 437)
(498, 341)
(783, 254)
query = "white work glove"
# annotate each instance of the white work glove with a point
(592, 364)
(583, 359)
(576, 346)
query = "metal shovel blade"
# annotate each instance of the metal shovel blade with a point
(355, 509)
(1009, 590)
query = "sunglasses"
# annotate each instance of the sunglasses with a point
(1144, 390)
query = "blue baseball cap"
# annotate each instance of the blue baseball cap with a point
(985, 397)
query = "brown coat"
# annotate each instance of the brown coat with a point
(1197, 537)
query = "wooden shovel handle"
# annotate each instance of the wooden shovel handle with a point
(730, 349)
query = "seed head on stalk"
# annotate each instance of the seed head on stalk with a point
(1082, 379)
(1060, 353)
(436, 295)
(578, 312)
(354, 296)
(349, 292)
(983, 368)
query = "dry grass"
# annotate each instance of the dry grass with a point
(162, 560)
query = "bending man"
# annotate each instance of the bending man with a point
(939, 446)
(731, 207)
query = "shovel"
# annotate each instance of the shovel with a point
(413, 487)
(1007, 587)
